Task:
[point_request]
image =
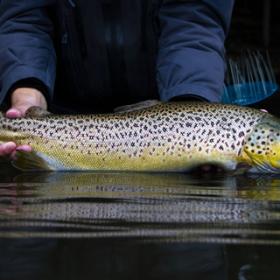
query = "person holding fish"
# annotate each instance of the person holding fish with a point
(92, 56)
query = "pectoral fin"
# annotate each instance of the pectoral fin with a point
(136, 106)
(30, 161)
(36, 112)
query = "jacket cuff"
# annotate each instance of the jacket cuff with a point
(191, 91)
(30, 83)
(26, 77)
(188, 97)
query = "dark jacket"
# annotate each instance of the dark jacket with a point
(91, 53)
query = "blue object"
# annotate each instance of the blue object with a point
(250, 79)
(248, 93)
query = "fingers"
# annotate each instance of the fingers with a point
(7, 149)
(14, 113)
(263, 110)
(23, 99)
(22, 148)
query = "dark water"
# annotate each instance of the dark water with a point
(138, 226)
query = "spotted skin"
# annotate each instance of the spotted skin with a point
(263, 146)
(166, 137)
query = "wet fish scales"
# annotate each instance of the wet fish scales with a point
(165, 137)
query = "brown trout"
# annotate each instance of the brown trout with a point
(165, 137)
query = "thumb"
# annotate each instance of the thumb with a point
(23, 99)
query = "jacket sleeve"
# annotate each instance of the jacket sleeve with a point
(26, 46)
(191, 48)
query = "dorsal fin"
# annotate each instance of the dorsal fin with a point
(36, 112)
(137, 106)
(30, 161)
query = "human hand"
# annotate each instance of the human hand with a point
(22, 99)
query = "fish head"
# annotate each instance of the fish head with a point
(262, 146)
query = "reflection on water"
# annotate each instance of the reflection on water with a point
(145, 226)
(153, 207)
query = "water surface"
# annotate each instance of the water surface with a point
(140, 226)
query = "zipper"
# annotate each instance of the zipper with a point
(79, 27)
(80, 31)
(144, 20)
(114, 38)
(72, 3)
(71, 44)
(156, 4)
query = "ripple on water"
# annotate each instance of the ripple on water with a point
(150, 207)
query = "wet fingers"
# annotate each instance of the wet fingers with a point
(7, 149)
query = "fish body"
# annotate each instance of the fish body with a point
(172, 137)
